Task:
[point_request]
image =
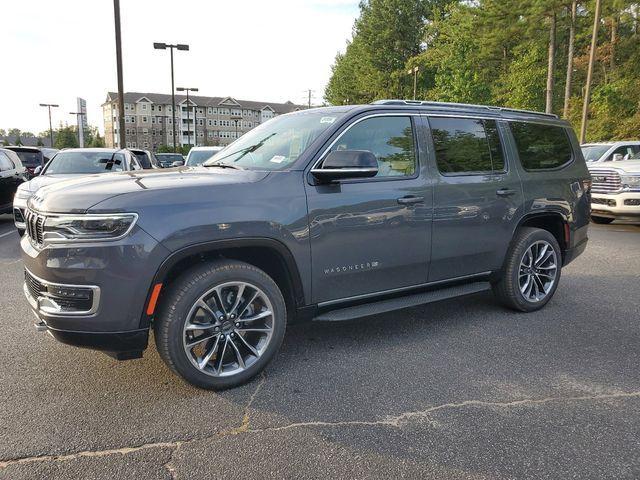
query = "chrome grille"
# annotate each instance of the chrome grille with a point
(605, 180)
(35, 226)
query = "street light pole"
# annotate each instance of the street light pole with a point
(49, 105)
(79, 123)
(189, 89)
(116, 13)
(179, 46)
(236, 119)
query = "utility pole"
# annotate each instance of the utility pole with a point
(309, 92)
(49, 105)
(592, 56)
(179, 46)
(188, 89)
(116, 14)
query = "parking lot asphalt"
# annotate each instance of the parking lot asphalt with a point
(456, 389)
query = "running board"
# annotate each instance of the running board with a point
(358, 311)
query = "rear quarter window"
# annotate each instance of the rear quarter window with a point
(541, 147)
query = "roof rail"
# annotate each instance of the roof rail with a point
(426, 103)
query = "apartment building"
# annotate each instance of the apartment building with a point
(148, 119)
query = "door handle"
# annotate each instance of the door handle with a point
(505, 192)
(410, 199)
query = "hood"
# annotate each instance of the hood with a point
(43, 180)
(624, 166)
(77, 195)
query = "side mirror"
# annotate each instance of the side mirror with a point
(177, 163)
(341, 164)
(37, 170)
(617, 157)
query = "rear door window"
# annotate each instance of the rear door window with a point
(466, 146)
(541, 147)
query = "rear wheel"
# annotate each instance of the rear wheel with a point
(601, 220)
(221, 324)
(531, 271)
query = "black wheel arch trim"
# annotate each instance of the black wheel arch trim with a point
(226, 244)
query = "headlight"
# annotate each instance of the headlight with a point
(632, 181)
(22, 194)
(65, 228)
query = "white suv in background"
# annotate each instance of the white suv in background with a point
(615, 190)
(610, 151)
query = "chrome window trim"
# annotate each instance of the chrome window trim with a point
(51, 310)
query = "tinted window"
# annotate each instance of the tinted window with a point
(390, 139)
(541, 146)
(30, 159)
(85, 162)
(5, 162)
(143, 159)
(466, 145)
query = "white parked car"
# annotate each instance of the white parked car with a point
(610, 151)
(615, 190)
(199, 155)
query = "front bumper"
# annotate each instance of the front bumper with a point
(624, 205)
(116, 277)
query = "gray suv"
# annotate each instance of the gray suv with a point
(325, 214)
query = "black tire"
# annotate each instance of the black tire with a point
(182, 295)
(601, 220)
(507, 288)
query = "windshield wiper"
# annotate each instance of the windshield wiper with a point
(223, 165)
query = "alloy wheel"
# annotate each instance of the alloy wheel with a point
(538, 271)
(228, 328)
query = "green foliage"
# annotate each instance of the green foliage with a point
(39, 142)
(66, 137)
(495, 52)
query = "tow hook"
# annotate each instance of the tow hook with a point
(40, 326)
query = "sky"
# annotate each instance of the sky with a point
(269, 50)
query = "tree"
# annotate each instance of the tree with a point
(39, 142)
(66, 137)
(385, 36)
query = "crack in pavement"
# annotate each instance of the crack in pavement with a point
(396, 421)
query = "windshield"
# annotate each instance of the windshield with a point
(169, 157)
(276, 144)
(30, 159)
(593, 153)
(198, 157)
(85, 162)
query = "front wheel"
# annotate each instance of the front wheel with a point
(531, 271)
(220, 324)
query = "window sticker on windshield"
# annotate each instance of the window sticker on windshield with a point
(327, 119)
(278, 159)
